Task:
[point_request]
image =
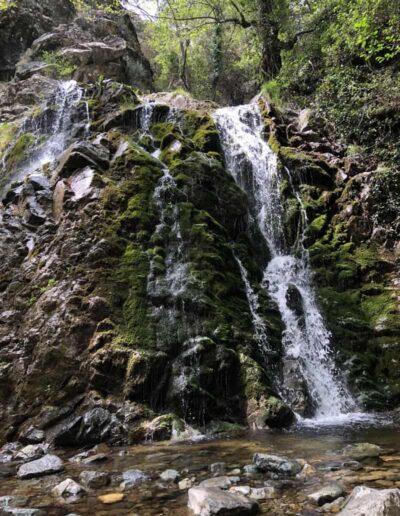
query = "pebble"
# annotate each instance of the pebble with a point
(111, 498)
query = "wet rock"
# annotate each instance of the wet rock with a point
(47, 465)
(327, 494)
(26, 70)
(219, 482)
(372, 502)
(186, 483)
(80, 155)
(212, 501)
(277, 464)
(31, 452)
(33, 436)
(335, 506)
(362, 451)
(23, 512)
(244, 490)
(68, 488)
(12, 501)
(95, 479)
(132, 478)
(111, 498)
(170, 475)
(308, 471)
(250, 470)
(263, 493)
(218, 468)
(92, 459)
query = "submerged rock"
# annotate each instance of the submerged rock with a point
(365, 501)
(95, 479)
(277, 464)
(47, 465)
(170, 475)
(361, 451)
(212, 501)
(133, 477)
(219, 482)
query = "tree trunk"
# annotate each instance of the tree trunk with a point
(271, 61)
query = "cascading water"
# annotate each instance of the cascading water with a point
(54, 126)
(306, 339)
(258, 322)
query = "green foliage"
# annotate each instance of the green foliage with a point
(62, 66)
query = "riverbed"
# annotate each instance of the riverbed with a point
(318, 446)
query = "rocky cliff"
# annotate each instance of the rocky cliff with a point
(123, 308)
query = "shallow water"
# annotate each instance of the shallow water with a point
(316, 445)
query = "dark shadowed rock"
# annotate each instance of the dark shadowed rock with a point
(277, 464)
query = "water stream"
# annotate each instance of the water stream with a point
(306, 339)
(53, 129)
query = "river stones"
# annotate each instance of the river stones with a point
(94, 479)
(170, 475)
(218, 468)
(68, 488)
(326, 494)
(211, 501)
(372, 502)
(132, 478)
(277, 464)
(31, 452)
(111, 498)
(217, 482)
(47, 465)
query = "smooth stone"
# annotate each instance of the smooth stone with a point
(327, 494)
(244, 490)
(47, 465)
(212, 501)
(133, 477)
(111, 498)
(217, 482)
(68, 488)
(218, 468)
(99, 457)
(234, 473)
(170, 475)
(186, 483)
(365, 501)
(95, 479)
(277, 464)
(362, 451)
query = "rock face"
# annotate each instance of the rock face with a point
(212, 501)
(25, 21)
(372, 502)
(47, 465)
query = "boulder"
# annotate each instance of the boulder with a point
(47, 465)
(95, 479)
(212, 501)
(365, 501)
(277, 464)
(326, 494)
(361, 451)
(33, 436)
(68, 488)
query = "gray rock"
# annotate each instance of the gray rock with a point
(212, 501)
(326, 494)
(33, 435)
(364, 501)
(24, 512)
(263, 493)
(68, 488)
(133, 477)
(217, 482)
(277, 464)
(95, 479)
(47, 465)
(31, 452)
(12, 501)
(362, 451)
(170, 475)
(250, 470)
(218, 468)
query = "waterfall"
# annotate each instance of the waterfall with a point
(260, 328)
(52, 129)
(287, 276)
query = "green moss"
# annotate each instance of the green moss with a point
(61, 65)
(207, 139)
(7, 133)
(20, 150)
(318, 225)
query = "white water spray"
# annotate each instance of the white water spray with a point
(306, 339)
